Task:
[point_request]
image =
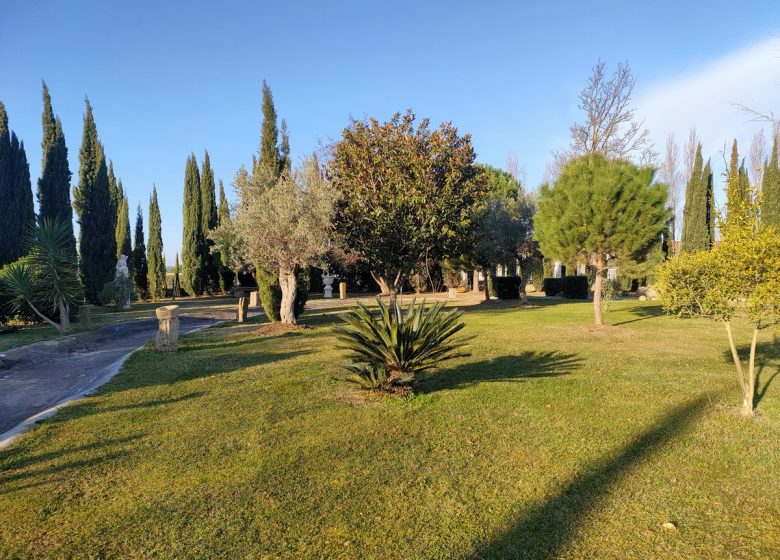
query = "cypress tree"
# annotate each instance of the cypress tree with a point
(140, 265)
(92, 199)
(15, 193)
(285, 164)
(208, 222)
(223, 212)
(113, 188)
(156, 260)
(709, 189)
(123, 241)
(226, 276)
(770, 189)
(54, 183)
(737, 185)
(696, 213)
(269, 136)
(176, 281)
(192, 242)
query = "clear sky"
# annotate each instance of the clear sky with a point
(169, 78)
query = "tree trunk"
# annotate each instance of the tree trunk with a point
(747, 395)
(475, 281)
(381, 281)
(42, 316)
(599, 317)
(751, 375)
(488, 285)
(64, 317)
(289, 285)
(523, 283)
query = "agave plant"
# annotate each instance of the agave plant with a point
(396, 345)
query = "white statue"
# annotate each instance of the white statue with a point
(327, 281)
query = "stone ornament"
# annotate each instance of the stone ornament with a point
(167, 339)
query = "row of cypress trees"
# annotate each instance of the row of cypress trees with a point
(699, 213)
(99, 198)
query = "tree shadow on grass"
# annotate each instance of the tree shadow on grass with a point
(767, 365)
(642, 313)
(546, 529)
(518, 367)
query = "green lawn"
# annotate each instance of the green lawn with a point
(554, 440)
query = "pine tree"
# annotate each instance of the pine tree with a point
(192, 242)
(156, 260)
(15, 194)
(269, 136)
(123, 241)
(140, 265)
(54, 184)
(770, 189)
(208, 222)
(285, 164)
(696, 213)
(92, 199)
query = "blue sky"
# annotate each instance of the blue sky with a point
(169, 78)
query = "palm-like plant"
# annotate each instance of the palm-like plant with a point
(396, 345)
(48, 276)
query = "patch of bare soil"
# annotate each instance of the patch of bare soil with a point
(274, 329)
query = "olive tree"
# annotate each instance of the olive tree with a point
(409, 193)
(599, 210)
(738, 278)
(284, 223)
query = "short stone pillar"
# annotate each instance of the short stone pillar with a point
(452, 294)
(342, 290)
(85, 316)
(243, 308)
(254, 299)
(168, 331)
(327, 282)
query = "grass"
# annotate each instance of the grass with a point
(553, 440)
(102, 316)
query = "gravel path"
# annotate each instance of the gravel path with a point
(36, 378)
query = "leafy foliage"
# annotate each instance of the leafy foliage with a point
(396, 345)
(698, 215)
(155, 256)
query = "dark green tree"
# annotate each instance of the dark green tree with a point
(269, 136)
(123, 238)
(598, 210)
(113, 187)
(226, 275)
(54, 183)
(155, 257)
(709, 185)
(176, 291)
(15, 194)
(209, 222)
(697, 218)
(92, 199)
(140, 264)
(737, 184)
(285, 163)
(193, 242)
(770, 189)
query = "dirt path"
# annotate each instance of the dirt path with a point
(36, 378)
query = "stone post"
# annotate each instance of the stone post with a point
(342, 290)
(452, 294)
(168, 332)
(243, 307)
(254, 299)
(85, 316)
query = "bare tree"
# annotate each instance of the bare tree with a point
(689, 154)
(758, 151)
(611, 127)
(515, 168)
(670, 172)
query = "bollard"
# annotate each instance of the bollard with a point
(243, 307)
(342, 290)
(168, 331)
(452, 294)
(254, 299)
(85, 316)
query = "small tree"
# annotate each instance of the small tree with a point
(47, 278)
(598, 210)
(739, 277)
(227, 245)
(409, 193)
(284, 224)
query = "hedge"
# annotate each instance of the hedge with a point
(575, 287)
(507, 287)
(552, 286)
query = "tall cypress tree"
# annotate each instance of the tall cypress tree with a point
(54, 183)
(226, 276)
(208, 222)
(224, 207)
(113, 188)
(192, 237)
(140, 265)
(737, 185)
(709, 189)
(269, 136)
(123, 242)
(92, 199)
(770, 189)
(15, 193)
(696, 213)
(285, 164)
(155, 258)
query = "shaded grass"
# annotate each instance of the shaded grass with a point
(553, 440)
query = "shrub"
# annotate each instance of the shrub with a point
(394, 346)
(271, 294)
(507, 287)
(107, 295)
(575, 287)
(552, 286)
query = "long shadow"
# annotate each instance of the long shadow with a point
(518, 367)
(546, 529)
(642, 313)
(18, 460)
(91, 407)
(767, 364)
